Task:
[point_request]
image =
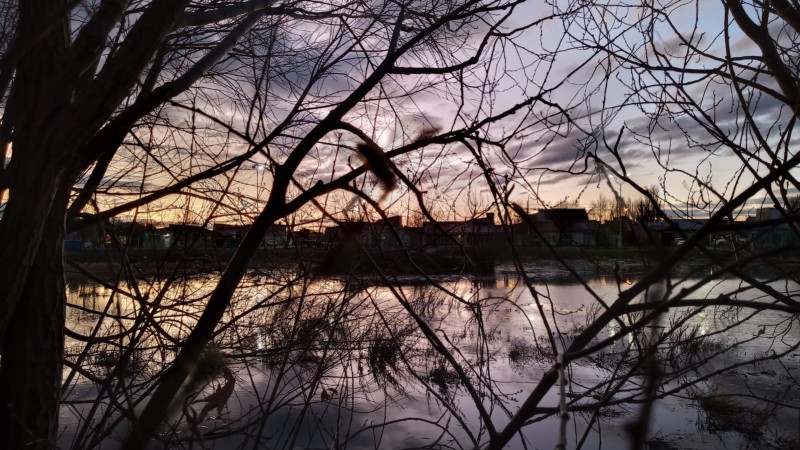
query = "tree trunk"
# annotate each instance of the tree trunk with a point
(31, 367)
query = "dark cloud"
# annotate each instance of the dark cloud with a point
(553, 152)
(564, 179)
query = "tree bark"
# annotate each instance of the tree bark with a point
(30, 372)
(32, 231)
(28, 214)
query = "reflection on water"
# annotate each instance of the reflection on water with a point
(339, 362)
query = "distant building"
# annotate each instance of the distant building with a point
(91, 237)
(230, 235)
(667, 233)
(306, 238)
(149, 239)
(622, 231)
(382, 233)
(478, 232)
(133, 234)
(772, 233)
(184, 236)
(74, 241)
(558, 227)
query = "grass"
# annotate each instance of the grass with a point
(723, 413)
(660, 443)
(522, 353)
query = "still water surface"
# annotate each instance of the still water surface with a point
(279, 400)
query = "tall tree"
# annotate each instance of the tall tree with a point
(600, 209)
(79, 77)
(646, 209)
(257, 111)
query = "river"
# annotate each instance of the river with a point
(347, 363)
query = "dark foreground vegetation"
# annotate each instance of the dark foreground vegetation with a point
(519, 135)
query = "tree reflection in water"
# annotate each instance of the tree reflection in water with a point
(323, 364)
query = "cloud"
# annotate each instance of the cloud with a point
(562, 178)
(552, 151)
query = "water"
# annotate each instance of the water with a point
(387, 386)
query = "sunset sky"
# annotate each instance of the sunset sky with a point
(545, 149)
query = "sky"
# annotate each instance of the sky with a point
(585, 69)
(666, 145)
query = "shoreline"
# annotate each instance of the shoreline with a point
(82, 265)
